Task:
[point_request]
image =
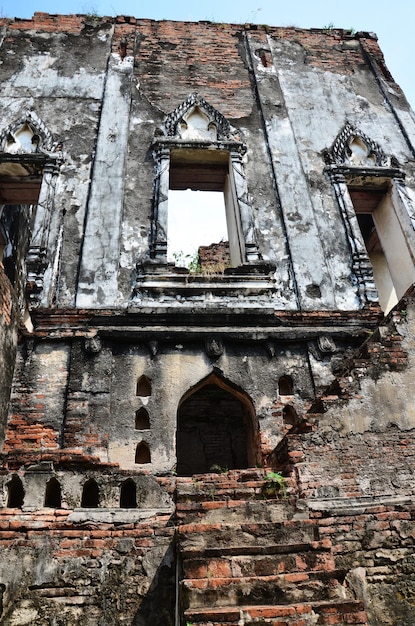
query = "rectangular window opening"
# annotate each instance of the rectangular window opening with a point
(393, 268)
(196, 226)
(203, 221)
(19, 193)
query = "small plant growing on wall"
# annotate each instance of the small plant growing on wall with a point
(191, 261)
(274, 485)
(218, 469)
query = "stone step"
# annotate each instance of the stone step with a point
(249, 485)
(237, 510)
(299, 614)
(255, 550)
(248, 491)
(198, 537)
(280, 589)
(236, 477)
(268, 563)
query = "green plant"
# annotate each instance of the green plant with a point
(329, 27)
(274, 483)
(191, 261)
(218, 469)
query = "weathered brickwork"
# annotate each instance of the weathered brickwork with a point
(230, 443)
(214, 258)
(113, 568)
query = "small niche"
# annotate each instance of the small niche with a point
(142, 419)
(128, 494)
(289, 415)
(15, 495)
(90, 495)
(266, 58)
(285, 386)
(53, 494)
(142, 453)
(143, 387)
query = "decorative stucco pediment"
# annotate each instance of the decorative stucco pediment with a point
(196, 120)
(27, 135)
(352, 148)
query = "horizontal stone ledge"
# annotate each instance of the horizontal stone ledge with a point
(232, 613)
(354, 506)
(232, 333)
(257, 550)
(213, 314)
(115, 515)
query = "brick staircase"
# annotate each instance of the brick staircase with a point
(250, 560)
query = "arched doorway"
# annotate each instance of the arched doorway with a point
(216, 428)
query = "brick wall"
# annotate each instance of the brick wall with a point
(214, 258)
(115, 565)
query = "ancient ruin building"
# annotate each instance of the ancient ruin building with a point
(152, 397)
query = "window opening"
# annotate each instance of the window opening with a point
(142, 453)
(143, 387)
(202, 208)
(142, 420)
(15, 495)
(285, 386)
(197, 149)
(392, 265)
(19, 193)
(128, 494)
(29, 165)
(215, 430)
(90, 494)
(9, 233)
(53, 497)
(196, 218)
(358, 165)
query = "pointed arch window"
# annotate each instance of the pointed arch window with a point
(216, 428)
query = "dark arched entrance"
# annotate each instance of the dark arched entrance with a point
(215, 429)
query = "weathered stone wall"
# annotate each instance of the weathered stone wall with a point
(292, 335)
(114, 84)
(9, 319)
(82, 392)
(108, 573)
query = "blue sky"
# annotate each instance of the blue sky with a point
(394, 22)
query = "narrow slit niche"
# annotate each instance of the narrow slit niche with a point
(53, 494)
(90, 495)
(142, 453)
